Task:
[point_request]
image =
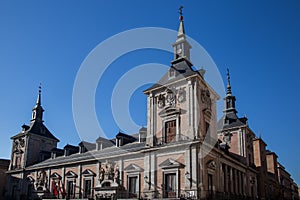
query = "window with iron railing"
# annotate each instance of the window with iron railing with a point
(170, 131)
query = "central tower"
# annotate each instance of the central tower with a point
(181, 105)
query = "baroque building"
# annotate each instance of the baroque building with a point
(183, 153)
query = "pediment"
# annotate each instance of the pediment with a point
(211, 165)
(55, 176)
(169, 111)
(88, 172)
(170, 163)
(133, 168)
(71, 174)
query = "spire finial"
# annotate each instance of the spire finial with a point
(228, 83)
(180, 10)
(38, 101)
(228, 76)
(181, 32)
(40, 88)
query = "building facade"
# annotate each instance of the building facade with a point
(4, 163)
(183, 153)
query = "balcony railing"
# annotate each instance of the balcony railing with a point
(159, 141)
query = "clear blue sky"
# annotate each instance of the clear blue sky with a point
(48, 40)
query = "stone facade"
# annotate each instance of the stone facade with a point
(183, 153)
(3, 169)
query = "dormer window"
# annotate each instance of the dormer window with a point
(172, 73)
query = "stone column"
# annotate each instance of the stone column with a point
(79, 179)
(98, 173)
(194, 178)
(226, 178)
(121, 169)
(48, 179)
(63, 171)
(187, 182)
(153, 171)
(150, 113)
(195, 112)
(146, 177)
(231, 181)
(190, 113)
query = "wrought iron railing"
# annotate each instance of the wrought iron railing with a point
(160, 141)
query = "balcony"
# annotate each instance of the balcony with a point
(162, 141)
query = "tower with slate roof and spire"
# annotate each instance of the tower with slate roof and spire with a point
(34, 143)
(181, 103)
(234, 131)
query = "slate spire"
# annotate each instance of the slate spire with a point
(228, 84)
(37, 110)
(39, 100)
(229, 99)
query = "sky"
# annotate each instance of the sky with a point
(48, 42)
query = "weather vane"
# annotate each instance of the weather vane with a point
(180, 10)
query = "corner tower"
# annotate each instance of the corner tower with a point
(234, 131)
(34, 142)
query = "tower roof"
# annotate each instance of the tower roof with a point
(36, 125)
(181, 65)
(230, 118)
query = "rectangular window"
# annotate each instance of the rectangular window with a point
(70, 189)
(210, 185)
(170, 131)
(18, 161)
(132, 184)
(55, 189)
(171, 73)
(170, 185)
(87, 188)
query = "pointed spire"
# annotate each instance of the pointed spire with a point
(229, 99)
(39, 99)
(228, 83)
(181, 46)
(181, 31)
(37, 111)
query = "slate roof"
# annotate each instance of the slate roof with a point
(105, 142)
(37, 128)
(92, 155)
(88, 145)
(182, 67)
(57, 150)
(123, 135)
(233, 121)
